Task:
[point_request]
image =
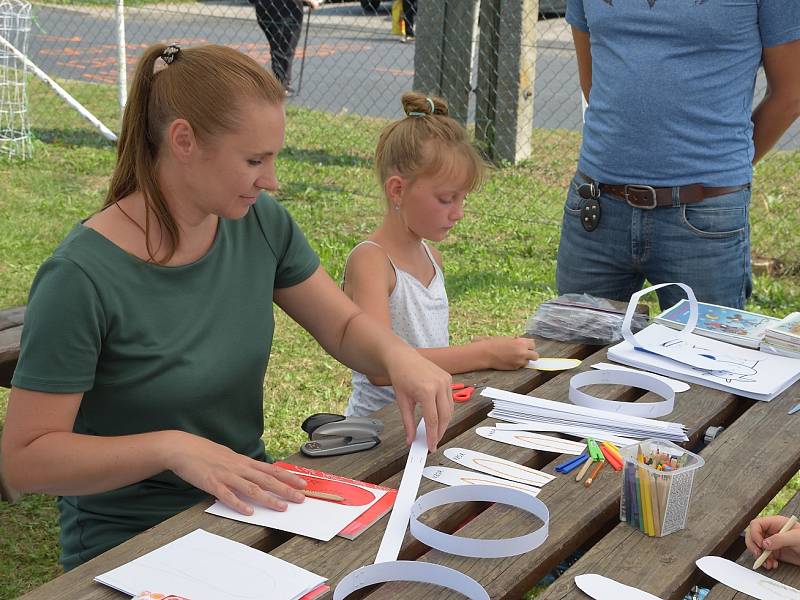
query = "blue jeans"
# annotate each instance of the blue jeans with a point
(705, 245)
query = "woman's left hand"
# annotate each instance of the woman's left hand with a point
(417, 380)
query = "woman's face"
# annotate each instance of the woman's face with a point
(230, 172)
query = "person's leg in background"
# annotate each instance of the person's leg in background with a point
(706, 246)
(409, 17)
(281, 22)
(603, 262)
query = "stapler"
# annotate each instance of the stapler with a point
(331, 434)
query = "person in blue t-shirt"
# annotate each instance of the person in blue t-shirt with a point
(662, 189)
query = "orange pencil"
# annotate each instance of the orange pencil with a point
(593, 475)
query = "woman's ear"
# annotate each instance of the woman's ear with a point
(181, 140)
(393, 188)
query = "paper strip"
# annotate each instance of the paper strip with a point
(636, 379)
(534, 441)
(677, 386)
(553, 364)
(603, 588)
(573, 430)
(461, 477)
(473, 547)
(745, 580)
(497, 467)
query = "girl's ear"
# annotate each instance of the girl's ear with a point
(181, 139)
(393, 188)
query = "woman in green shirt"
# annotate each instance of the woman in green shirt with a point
(139, 384)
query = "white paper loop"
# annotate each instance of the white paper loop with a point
(410, 570)
(628, 378)
(473, 547)
(678, 386)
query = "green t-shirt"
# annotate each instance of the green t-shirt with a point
(155, 348)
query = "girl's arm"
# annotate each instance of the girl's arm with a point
(42, 454)
(369, 283)
(367, 345)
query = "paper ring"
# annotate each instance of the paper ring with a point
(640, 380)
(472, 547)
(410, 570)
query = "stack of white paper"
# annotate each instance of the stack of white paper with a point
(509, 406)
(730, 368)
(204, 566)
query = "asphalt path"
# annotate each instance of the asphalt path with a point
(351, 62)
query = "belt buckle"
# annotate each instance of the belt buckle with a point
(641, 188)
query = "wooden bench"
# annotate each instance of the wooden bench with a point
(10, 334)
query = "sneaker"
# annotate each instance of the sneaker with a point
(408, 39)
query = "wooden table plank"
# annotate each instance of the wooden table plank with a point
(9, 353)
(745, 467)
(577, 514)
(788, 574)
(376, 465)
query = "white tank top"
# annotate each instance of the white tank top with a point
(419, 315)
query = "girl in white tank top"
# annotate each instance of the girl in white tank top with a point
(426, 167)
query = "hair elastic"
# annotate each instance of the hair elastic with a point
(166, 58)
(431, 105)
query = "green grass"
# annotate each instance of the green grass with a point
(499, 262)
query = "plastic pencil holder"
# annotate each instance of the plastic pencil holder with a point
(656, 491)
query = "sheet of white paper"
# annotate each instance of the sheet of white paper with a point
(573, 430)
(534, 441)
(204, 566)
(677, 386)
(741, 371)
(603, 588)
(498, 467)
(553, 364)
(318, 519)
(454, 477)
(745, 580)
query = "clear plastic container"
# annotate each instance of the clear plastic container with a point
(655, 493)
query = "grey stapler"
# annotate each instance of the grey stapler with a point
(331, 434)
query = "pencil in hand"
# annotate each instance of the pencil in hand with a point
(766, 554)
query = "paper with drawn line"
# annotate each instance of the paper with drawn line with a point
(498, 467)
(746, 580)
(534, 441)
(456, 477)
(204, 566)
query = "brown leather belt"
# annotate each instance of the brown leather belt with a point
(648, 197)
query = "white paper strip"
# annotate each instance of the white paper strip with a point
(473, 547)
(603, 588)
(498, 467)
(553, 364)
(573, 430)
(677, 386)
(745, 580)
(534, 441)
(632, 379)
(462, 477)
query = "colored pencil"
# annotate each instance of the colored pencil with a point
(766, 554)
(594, 474)
(323, 496)
(583, 470)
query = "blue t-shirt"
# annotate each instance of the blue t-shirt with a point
(672, 86)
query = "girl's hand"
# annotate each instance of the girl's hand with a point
(762, 534)
(416, 380)
(509, 353)
(229, 476)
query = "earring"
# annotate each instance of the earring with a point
(397, 207)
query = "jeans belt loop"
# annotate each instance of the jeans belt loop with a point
(641, 188)
(676, 197)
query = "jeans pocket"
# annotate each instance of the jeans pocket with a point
(720, 217)
(572, 206)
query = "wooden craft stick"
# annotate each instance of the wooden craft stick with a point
(323, 496)
(583, 470)
(766, 554)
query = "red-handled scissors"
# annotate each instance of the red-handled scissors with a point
(461, 392)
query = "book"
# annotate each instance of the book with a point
(361, 523)
(730, 325)
(786, 330)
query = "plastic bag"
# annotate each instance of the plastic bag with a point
(582, 318)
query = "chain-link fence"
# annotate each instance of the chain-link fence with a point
(507, 68)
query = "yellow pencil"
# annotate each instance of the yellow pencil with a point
(323, 496)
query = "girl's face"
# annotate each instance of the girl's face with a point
(430, 206)
(229, 173)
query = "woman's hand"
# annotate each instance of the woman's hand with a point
(509, 353)
(762, 534)
(416, 380)
(230, 477)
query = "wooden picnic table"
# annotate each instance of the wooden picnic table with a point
(753, 458)
(10, 335)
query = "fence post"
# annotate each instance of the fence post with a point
(444, 52)
(506, 72)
